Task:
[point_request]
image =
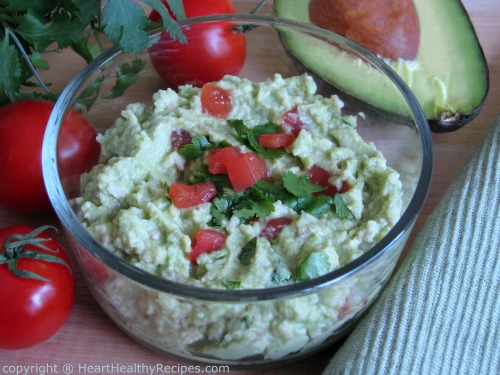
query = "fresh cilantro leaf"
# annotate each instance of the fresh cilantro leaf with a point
(248, 252)
(85, 49)
(125, 23)
(230, 285)
(126, 75)
(10, 70)
(41, 31)
(38, 61)
(169, 23)
(280, 274)
(317, 205)
(193, 150)
(314, 265)
(341, 209)
(300, 186)
(256, 204)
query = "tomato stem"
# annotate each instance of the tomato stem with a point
(13, 250)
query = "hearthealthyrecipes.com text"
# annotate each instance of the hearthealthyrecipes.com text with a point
(113, 368)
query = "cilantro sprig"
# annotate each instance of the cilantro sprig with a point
(31, 29)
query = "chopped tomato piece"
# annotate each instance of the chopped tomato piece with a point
(206, 241)
(185, 196)
(273, 227)
(216, 101)
(276, 140)
(179, 138)
(219, 158)
(320, 176)
(292, 119)
(243, 169)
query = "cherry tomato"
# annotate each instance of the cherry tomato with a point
(212, 50)
(206, 241)
(22, 128)
(216, 101)
(185, 196)
(273, 227)
(276, 140)
(34, 305)
(243, 169)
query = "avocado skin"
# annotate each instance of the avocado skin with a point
(439, 121)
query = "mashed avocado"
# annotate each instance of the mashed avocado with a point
(323, 199)
(125, 201)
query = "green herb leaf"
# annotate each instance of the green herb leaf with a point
(125, 23)
(341, 209)
(248, 252)
(257, 204)
(192, 151)
(300, 186)
(314, 265)
(250, 138)
(230, 285)
(171, 26)
(10, 70)
(126, 75)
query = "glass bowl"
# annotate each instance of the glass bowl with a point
(252, 326)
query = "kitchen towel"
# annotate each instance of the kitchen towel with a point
(440, 313)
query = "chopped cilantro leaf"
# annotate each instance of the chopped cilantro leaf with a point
(341, 209)
(248, 252)
(314, 265)
(300, 186)
(193, 150)
(230, 285)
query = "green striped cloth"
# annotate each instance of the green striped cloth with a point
(440, 313)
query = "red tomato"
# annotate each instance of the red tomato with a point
(276, 140)
(321, 176)
(273, 227)
(216, 101)
(185, 196)
(292, 119)
(206, 241)
(32, 309)
(243, 169)
(212, 50)
(22, 128)
(218, 159)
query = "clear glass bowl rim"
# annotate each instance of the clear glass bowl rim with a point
(76, 230)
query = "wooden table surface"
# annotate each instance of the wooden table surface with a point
(89, 338)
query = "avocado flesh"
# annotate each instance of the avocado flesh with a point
(449, 76)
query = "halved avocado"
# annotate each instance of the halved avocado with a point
(448, 74)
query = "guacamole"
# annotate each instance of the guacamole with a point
(239, 185)
(125, 200)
